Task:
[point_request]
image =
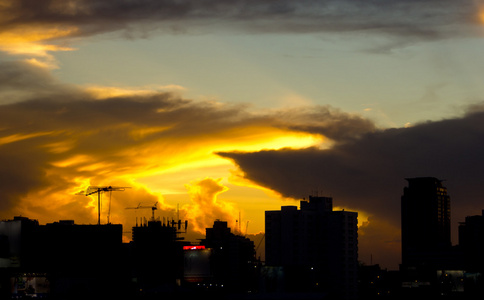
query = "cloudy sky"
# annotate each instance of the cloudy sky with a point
(228, 108)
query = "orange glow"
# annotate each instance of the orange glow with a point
(200, 153)
(363, 217)
(205, 207)
(61, 146)
(29, 40)
(276, 139)
(73, 161)
(19, 137)
(141, 133)
(103, 92)
(156, 158)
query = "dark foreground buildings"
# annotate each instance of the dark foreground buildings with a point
(64, 260)
(311, 253)
(233, 261)
(315, 249)
(471, 243)
(431, 266)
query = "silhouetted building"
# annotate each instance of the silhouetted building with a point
(17, 242)
(431, 266)
(196, 267)
(62, 258)
(471, 242)
(233, 265)
(156, 257)
(425, 218)
(316, 247)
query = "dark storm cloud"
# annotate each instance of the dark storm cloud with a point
(368, 173)
(423, 19)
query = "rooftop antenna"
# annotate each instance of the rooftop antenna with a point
(240, 224)
(99, 190)
(153, 208)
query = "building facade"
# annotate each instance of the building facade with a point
(316, 246)
(232, 259)
(60, 259)
(425, 217)
(471, 241)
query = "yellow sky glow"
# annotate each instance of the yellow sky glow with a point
(103, 92)
(30, 40)
(19, 137)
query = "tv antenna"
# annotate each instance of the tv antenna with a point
(99, 190)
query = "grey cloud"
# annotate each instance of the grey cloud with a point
(325, 120)
(416, 19)
(20, 81)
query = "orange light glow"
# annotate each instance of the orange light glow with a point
(31, 41)
(103, 92)
(19, 137)
(156, 158)
(72, 161)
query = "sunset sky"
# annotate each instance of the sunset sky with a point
(228, 108)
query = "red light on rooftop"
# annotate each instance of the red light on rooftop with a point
(193, 247)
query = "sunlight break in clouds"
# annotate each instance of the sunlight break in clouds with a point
(62, 138)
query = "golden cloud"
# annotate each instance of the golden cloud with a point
(205, 207)
(32, 41)
(60, 139)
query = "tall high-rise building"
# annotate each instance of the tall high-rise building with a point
(316, 247)
(425, 218)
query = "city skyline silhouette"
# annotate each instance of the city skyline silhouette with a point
(312, 253)
(211, 110)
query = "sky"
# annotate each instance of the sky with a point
(224, 109)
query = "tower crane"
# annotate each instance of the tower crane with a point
(153, 208)
(99, 190)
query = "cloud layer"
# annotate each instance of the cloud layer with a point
(429, 18)
(448, 149)
(367, 174)
(56, 139)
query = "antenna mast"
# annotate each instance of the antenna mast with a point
(101, 189)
